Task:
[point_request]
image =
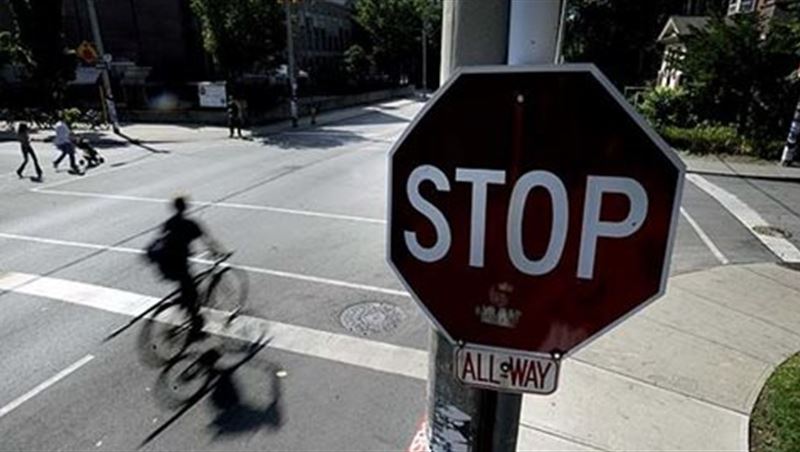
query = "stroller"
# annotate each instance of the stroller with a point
(91, 157)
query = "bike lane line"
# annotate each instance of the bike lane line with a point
(779, 246)
(374, 355)
(247, 268)
(16, 403)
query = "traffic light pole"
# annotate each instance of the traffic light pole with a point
(477, 32)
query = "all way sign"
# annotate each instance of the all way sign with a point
(499, 370)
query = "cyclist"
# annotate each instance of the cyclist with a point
(172, 251)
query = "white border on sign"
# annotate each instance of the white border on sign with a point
(620, 99)
(508, 351)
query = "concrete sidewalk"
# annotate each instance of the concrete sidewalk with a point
(738, 167)
(682, 374)
(183, 133)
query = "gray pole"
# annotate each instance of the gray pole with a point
(790, 149)
(424, 53)
(479, 32)
(290, 60)
(98, 41)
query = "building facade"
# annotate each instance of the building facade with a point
(162, 35)
(324, 32)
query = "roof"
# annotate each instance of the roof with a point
(678, 26)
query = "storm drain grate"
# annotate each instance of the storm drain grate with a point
(371, 317)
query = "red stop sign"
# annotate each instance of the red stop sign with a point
(531, 208)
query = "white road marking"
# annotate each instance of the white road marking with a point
(374, 355)
(44, 385)
(705, 238)
(248, 268)
(779, 246)
(107, 170)
(70, 243)
(228, 205)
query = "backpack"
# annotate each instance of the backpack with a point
(159, 253)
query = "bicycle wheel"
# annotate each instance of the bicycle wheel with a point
(184, 380)
(227, 290)
(164, 335)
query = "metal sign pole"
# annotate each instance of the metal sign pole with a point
(108, 99)
(477, 32)
(290, 67)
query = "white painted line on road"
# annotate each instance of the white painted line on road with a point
(70, 243)
(374, 355)
(44, 385)
(228, 205)
(316, 279)
(705, 238)
(248, 268)
(779, 246)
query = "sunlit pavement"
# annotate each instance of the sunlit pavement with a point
(345, 359)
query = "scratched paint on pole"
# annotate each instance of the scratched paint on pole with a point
(450, 429)
(506, 370)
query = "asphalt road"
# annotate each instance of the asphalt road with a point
(304, 211)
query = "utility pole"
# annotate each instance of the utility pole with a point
(109, 105)
(290, 62)
(480, 32)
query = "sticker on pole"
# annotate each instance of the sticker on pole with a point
(506, 370)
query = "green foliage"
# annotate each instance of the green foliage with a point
(357, 62)
(12, 51)
(393, 30)
(666, 106)
(70, 116)
(775, 425)
(242, 35)
(619, 36)
(736, 72)
(40, 47)
(705, 139)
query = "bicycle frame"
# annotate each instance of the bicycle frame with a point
(198, 278)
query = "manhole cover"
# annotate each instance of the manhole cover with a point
(772, 231)
(371, 318)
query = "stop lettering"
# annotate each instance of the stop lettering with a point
(530, 208)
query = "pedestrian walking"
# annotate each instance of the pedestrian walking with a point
(63, 142)
(27, 152)
(234, 117)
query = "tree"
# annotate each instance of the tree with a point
(737, 71)
(357, 62)
(619, 36)
(41, 49)
(393, 30)
(242, 35)
(12, 51)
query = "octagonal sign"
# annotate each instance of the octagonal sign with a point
(531, 208)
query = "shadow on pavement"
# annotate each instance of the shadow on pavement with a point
(311, 139)
(322, 137)
(371, 117)
(99, 140)
(237, 413)
(211, 371)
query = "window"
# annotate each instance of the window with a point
(741, 6)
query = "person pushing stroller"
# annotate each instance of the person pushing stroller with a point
(90, 154)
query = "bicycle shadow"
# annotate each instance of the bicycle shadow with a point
(235, 413)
